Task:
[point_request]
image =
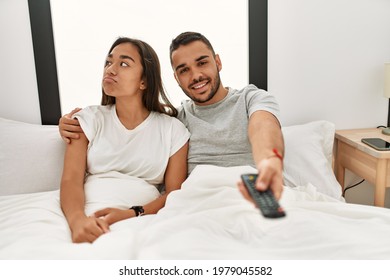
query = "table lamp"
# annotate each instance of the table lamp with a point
(386, 93)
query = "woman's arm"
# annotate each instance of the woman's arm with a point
(175, 175)
(72, 197)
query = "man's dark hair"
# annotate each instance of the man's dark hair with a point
(188, 37)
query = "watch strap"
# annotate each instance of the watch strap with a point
(139, 210)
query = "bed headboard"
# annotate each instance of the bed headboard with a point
(45, 57)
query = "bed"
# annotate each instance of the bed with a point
(206, 219)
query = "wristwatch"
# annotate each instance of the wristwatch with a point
(139, 210)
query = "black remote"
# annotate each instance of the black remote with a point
(265, 200)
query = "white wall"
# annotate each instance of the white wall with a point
(326, 60)
(19, 92)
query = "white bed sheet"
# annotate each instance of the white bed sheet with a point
(206, 219)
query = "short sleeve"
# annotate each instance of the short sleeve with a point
(88, 121)
(261, 100)
(180, 136)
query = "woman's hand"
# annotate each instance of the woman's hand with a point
(88, 229)
(113, 215)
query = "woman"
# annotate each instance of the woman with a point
(131, 144)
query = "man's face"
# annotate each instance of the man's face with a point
(196, 70)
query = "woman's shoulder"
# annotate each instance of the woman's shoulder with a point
(94, 114)
(98, 109)
(95, 111)
(168, 121)
(165, 118)
(171, 128)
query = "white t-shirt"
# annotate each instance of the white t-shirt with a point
(142, 152)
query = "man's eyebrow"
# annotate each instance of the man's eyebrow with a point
(201, 57)
(122, 56)
(198, 59)
(180, 66)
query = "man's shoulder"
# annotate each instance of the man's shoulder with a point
(245, 94)
(185, 103)
(249, 89)
(181, 110)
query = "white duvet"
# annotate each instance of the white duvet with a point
(206, 219)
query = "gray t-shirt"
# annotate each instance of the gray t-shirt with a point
(219, 132)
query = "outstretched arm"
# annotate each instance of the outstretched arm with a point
(267, 143)
(69, 127)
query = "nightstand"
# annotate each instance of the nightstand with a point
(366, 162)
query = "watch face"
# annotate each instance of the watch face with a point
(139, 210)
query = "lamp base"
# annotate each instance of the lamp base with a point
(386, 131)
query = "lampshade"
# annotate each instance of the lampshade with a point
(386, 91)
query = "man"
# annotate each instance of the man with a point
(228, 127)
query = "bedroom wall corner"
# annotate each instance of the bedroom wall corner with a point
(326, 60)
(19, 93)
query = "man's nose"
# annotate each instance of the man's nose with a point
(197, 76)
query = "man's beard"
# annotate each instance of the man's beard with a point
(214, 88)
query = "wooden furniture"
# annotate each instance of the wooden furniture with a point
(366, 162)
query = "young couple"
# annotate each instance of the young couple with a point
(137, 132)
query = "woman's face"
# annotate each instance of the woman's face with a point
(123, 72)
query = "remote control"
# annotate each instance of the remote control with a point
(265, 200)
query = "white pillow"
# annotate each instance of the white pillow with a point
(308, 157)
(31, 157)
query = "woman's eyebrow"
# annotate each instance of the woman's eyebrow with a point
(122, 56)
(126, 57)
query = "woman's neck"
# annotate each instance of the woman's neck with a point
(131, 113)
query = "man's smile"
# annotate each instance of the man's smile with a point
(200, 85)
